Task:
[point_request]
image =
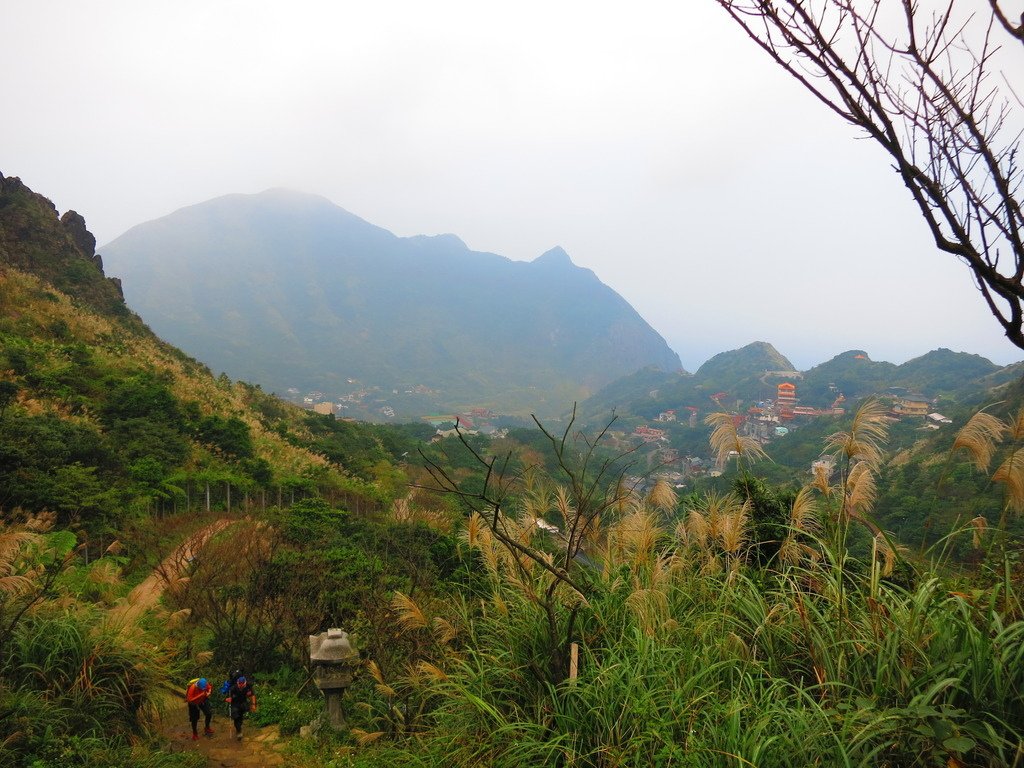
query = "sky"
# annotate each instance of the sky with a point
(651, 140)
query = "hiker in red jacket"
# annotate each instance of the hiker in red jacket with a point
(198, 697)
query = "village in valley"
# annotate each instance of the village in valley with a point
(669, 446)
(765, 421)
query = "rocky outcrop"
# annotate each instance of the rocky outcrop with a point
(59, 249)
(82, 237)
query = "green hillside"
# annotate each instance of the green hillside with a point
(855, 374)
(747, 374)
(103, 420)
(727, 368)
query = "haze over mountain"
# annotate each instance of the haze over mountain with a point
(289, 290)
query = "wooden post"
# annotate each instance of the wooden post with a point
(574, 660)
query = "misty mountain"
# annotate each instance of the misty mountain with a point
(289, 290)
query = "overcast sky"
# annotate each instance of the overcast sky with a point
(651, 140)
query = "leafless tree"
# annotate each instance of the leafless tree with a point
(594, 486)
(924, 82)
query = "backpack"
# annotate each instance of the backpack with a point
(226, 685)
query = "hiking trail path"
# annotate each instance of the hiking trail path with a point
(259, 746)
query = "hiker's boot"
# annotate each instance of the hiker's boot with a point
(238, 736)
(208, 732)
(195, 736)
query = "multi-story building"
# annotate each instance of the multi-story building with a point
(912, 405)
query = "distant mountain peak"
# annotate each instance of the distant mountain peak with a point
(755, 357)
(445, 239)
(555, 257)
(350, 300)
(286, 193)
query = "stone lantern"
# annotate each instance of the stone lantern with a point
(335, 662)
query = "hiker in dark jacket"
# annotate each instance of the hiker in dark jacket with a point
(242, 700)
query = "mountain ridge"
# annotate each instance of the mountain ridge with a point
(747, 374)
(354, 301)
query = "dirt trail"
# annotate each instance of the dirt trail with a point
(147, 594)
(257, 748)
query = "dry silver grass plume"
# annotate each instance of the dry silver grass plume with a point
(789, 550)
(662, 497)
(980, 525)
(1011, 475)
(726, 439)
(733, 529)
(444, 630)
(979, 437)
(12, 544)
(862, 442)
(881, 546)
(860, 489)
(1016, 427)
(431, 671)
(410, 616)
(822, 476)
(471, 533)
(638, 533)
(804, 515)
(697, 529)
(365, 738)
(650, 606)
(382, 688)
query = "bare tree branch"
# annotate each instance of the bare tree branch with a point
(920, 86)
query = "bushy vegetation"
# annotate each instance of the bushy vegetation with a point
(79, 685)
(699, 645)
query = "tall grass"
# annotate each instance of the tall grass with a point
(106, 679)
(683, 664)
